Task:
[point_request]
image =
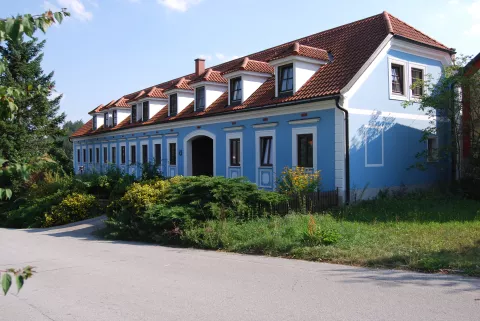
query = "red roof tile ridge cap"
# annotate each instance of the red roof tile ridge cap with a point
(207, 74)
(296, 48)
(438, 42)
(386, 16)
(244, 63)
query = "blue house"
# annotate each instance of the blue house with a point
(331, 101)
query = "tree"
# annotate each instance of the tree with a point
(443, 102)
(62, 149)
(36, 124)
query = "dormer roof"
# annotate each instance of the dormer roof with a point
(296, 49)
(248, 64)
(209, 75)
(181, 84)
(120, 103)
(97, 109)
(153, 92)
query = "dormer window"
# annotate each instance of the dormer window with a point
(145, 111)
(200, 98)
(133, 117)
(94, 122)
(114, 117)
(105, 119)
(236, 91)
(173, 105)
(285, 80)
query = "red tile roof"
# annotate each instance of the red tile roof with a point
(248, 64)
(96, 110)
(209, 75)
(305, 51)
(122, 103)
(351, 45)
(154, 92)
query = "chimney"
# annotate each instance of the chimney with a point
(199, 66)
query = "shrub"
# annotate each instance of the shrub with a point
(316, 235)
(75, 207)
(298, 181)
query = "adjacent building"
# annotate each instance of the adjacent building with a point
(331, 101)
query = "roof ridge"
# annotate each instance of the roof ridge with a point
(386, 16)
(244, 63)
(296, 48)
(207, 73)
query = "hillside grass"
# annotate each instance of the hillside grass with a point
(424, 234)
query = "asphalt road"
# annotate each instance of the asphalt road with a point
(82, 278)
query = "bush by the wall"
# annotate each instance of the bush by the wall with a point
(75, 207)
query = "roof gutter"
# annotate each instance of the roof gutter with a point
(347, 152)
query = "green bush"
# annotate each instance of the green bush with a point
(75, 207)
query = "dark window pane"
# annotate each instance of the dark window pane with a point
(105, 120)
(158, 154)
(236, 90)
(97, 155)
(84, 155)
(105, 155)
(305, 150)
(114, 113)
(145, 111)
(134, 113)
(417, 75)
(200, 98)
(235, 152)
(90, 155)
(285, 81)
(397, 79)
(173, 105)
(114, 155)
(123, 156)
(266, 151)
(173, 154)
(78, 155)
(133, 154)
(94, 122)
(144, 154)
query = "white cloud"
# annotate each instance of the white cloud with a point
(76, 8)
(178, 5)
(206, 57)
(474, 10)
(222, 57)
(50, 6)
(453, 2)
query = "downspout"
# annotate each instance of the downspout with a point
(347, 152)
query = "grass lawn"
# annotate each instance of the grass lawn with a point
(431, 235)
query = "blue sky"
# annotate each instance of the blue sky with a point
(109, 48)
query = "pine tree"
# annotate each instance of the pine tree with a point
(36, 124)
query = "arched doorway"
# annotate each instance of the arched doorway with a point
(202, 156)
(200, 151)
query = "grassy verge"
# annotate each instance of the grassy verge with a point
(431, 235)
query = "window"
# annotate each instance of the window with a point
(305, 150)
(266, 151)
(133, 154)
(173, 105)
(173, 153)
(397, 79)
(144, 154)
(97, 155)
(114, 116)
(145, 111)
(90, 155)
(84, 155)
(417, 75)
(200, 98)
(235, 152)
(94, 122)
(133, 118)
(122, 155)
(235, 91)
(432, 149)
(285, 80)
(105, 155)
(158, 154)
(114, 155)
(105, 119)
(78, 155)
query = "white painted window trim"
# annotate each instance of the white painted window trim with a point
(435, 159)
(411, 66)
(406, 75)
(263, 133)
(299, 131)
(171, 141)
(366, 147)
(229, 136)
(143, 143)
(277, 76)
(120, 152)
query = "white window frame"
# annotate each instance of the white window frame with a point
(381, 128)
(195, 97)
(435, 158)
(229, 136)
(264, 133)
(169, 141)
(406, 75)
(143, 143)
(300, 131)
(411, 66)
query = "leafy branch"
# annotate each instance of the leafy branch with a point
(19, 275)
